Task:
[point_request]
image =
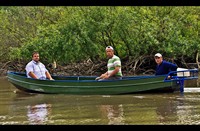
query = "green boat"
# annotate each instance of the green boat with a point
(87, 85)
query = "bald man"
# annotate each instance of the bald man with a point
(114, 66)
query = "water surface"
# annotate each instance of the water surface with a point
(19, 108)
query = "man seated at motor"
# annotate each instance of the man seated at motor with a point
(163, 67)
(114, 66)
(37, 70)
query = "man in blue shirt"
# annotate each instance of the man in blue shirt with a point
(163, 67)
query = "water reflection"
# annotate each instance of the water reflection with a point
(114, 110)
(21, 108)
(38, 114)
(166, 109)
(181, 109)
(114, 113)
(188, 110)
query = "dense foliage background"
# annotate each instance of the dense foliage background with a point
(66, 34)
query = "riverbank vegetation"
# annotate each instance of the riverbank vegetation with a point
(75, 37)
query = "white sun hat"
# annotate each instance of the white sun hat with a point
(109, 47)
(158, 55)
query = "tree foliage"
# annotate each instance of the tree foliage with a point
(72, 34)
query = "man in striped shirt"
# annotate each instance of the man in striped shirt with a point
(114, 66)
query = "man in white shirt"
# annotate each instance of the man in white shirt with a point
(37, 70)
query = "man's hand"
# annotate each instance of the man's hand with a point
(169, 77)
(98, 78)
(103, 76)
(51, 79)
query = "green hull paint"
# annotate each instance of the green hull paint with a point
(89, 86)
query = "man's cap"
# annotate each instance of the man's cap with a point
(109, 47)
(158, 55)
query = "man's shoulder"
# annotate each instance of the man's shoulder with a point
(116, 57)
(168, 63)
(29, 63)
(41, 63)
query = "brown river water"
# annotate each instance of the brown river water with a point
(19, 108)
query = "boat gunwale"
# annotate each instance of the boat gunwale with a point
(125, 78)
(106, 86)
